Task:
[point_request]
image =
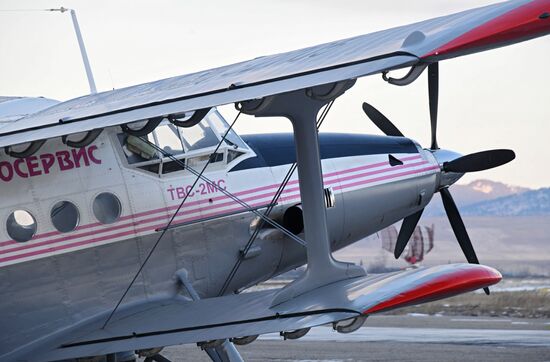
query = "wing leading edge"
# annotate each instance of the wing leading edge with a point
(435, 39)
(177, 320)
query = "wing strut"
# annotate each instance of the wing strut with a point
(222, 351)
(274, 201)
(301, 108)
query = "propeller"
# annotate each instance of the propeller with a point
(473, 162)
(459, 228)
(479, 161)
(405, 233)
(433, 97)
(381, 121)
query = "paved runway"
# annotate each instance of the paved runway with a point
(493, 337)
(403, 338)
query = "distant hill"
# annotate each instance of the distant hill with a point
(475, 192)
(517, 244)
(529, 203)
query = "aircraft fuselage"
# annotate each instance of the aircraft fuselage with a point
(56, 279)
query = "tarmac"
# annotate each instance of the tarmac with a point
(412, 337)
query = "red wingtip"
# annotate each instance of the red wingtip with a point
(466, 279)
(525, 22)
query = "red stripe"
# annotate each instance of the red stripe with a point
(460, 281)
(165, 217)
(199, 202)
(113, 236)
(516, 25)
(134, 223)
(372, 165)
(183, 211)
(108, 237)
(381, 178)
(394, 168)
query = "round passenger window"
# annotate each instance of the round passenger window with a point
(107, 208)
(21, 226)
(65, 216)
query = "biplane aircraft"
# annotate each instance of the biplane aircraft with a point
(135, 218)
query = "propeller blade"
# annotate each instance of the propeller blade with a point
(458, 226)
(405, 233)
(433, 94)
(480, 161)
(459, 229)
(381, 121)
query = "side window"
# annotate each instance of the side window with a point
(173, 166)
(137, 150)
(200, 161)
(232, 154)
(106, 208)
(65, 216)
(21, 226)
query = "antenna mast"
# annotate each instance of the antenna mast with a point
(83, 53)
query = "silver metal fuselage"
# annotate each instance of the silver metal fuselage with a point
(58, 279)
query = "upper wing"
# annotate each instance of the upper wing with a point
(427, 41)
(177, 321)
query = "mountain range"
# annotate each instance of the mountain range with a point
(490, 198)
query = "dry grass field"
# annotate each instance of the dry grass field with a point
(520, 304)
(516, 246)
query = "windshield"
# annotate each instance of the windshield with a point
(168, 138)
(199, 136)
(189, 145)
(219, 123)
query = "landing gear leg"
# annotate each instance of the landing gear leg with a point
(226, 352)
(156, 358)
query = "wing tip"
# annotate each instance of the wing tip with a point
(461, 279)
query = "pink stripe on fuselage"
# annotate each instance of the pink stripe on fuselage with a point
(286, 195)
(199, 202)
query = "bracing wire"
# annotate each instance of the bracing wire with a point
(199, 176)
(169, 223)
(246, 207)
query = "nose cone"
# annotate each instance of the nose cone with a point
(442, 156)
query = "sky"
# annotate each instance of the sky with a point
(495, 99)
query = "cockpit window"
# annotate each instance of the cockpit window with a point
(190, 146)
(137, 149)
(221, 125)
(199, 136)
(168, 138)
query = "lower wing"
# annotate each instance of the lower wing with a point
(178, 320)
